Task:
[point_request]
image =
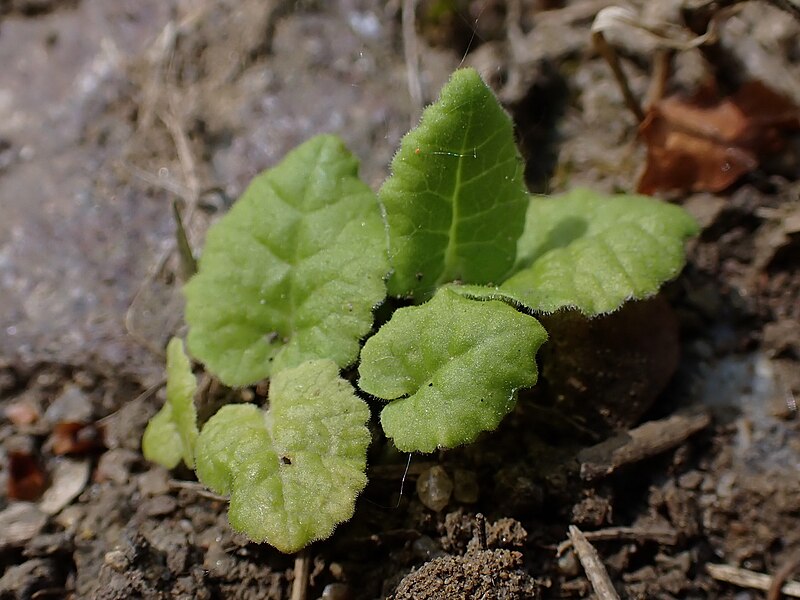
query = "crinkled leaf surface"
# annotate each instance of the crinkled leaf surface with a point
(170, 435)
(451, 367)
(293, 472)
(594, 252)
(455, 202)
(292, 272)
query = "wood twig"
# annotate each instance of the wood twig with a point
(609, 54)
(411, 52)
(188, 263)
(781, 575)
(140, 398)
(750, 579)
(666, 536)
(481, 523)
(197, 488)
(662, 64)
(592, 565)
(300, 582)
(650, 439)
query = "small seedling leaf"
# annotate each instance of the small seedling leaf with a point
(455, 202)
(293, 472)
(593, 253)
(451, 367)
(292, 272)
(171, 434)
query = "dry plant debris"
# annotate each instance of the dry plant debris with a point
(706, 143)
(750, 579)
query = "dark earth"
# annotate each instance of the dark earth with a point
(111, 111)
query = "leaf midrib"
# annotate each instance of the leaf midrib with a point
(450, 255)
(294, 259)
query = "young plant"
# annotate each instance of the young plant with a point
(289, 279)
(171, 434)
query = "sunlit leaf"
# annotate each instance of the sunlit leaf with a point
(451, 368)
(455, 202)
(293, 471)
(170, 435)
(593, 253)
(292, 272)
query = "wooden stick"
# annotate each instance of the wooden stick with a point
(666, 536)
(749, 579)
(781, 575)
(642, 442)
(300, 581)
(595, 571)
(411, 51)
(610, 55)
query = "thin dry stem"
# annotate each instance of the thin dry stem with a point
(411, 51)
(300, 581)
(610, 56)
(749, 579)
(665, 536)
(592, 565)
(781, 575)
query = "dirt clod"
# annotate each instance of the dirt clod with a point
(481, 574)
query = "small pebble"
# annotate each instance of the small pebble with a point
(159, 506)
(84, 380)
(217, 562)
(336, 570)
(29, 578)
(465, 486)
(20, 522)
(425, 548)
(155, 482)
(71, 516)
(22, 412)
(68, 478)
(337, 591)
(116, 559)
(434, 488)
(726, 484)
(48, 544)
(72, 405)
(690, 480)
(568, 564)
(115, 464)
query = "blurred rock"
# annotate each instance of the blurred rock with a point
(68, 478)
(465, 486)
(19, 522)
(434, 488)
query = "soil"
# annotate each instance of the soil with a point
(110, 111)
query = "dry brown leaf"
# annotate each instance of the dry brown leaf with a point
(706, 145)
(26, 479)
(76, 438)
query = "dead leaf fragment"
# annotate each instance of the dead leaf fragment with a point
(703, 144)
(26, 478)
(76, 438)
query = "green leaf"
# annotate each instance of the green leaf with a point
(170, 435)
(293, 472)
(455, 202)
(451, 366)
(594, 252)
(292, 272)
